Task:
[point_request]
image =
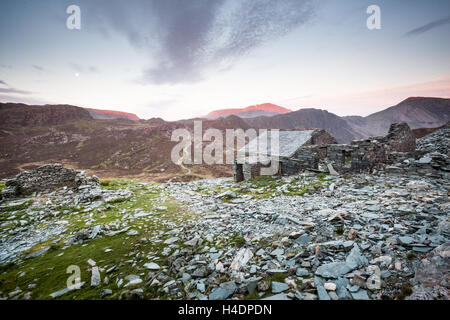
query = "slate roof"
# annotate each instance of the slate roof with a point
(289, 142)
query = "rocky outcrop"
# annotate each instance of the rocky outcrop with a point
(17, 114)
(432, 276)
(431, 158)
(438, 141)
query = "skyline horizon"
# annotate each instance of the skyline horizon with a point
(205, 117)
(163, 59)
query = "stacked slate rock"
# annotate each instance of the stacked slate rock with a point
(430, 159)
(438, 141)
(44, 178)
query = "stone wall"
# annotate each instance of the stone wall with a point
(433, 164)
(45, 178)
(320, 137)
(358, 156)
(400, 138)
(251, 170)
(306, 157)
(367, 154)
(339, 155)
(238, 173)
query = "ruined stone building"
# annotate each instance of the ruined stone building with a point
(298, 150)
(306, 149)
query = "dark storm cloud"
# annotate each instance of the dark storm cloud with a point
(428, 27)
(184, 39)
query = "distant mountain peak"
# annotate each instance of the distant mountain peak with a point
(111, 114)
(418, 98)
(265, 109)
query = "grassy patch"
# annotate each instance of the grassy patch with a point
(236, 240)
(115, 184)
(267, 186)
(21, 206)
(277, 277)
(127, 252)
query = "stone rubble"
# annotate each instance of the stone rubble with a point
(19, 236)
(306, 237)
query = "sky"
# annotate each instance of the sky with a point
(179, 59)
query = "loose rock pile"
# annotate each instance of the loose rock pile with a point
(361, 238)
(45, 178)
(431, 158)
(61, 188)
(305, 237)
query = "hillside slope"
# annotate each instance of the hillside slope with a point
(418, 112)
(18, 114)
(308, 118)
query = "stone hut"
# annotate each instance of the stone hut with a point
(305, 149)
(44, 178)
(298, 150)
(366, 154)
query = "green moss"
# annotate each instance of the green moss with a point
(405, 291)
(2, 186)
(236, 240)
(115, 184)
(267, 186)
(339, 230)
(411, 256)
(321, 176)
(7, 266)
(48, 272)
(22, 206)
(253, 296)
(277, 277)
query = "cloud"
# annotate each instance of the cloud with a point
(84, 69)
(185, 39)
(428, 27)
(13, 90)
(10, 90)
(38, 68)
(28, 100)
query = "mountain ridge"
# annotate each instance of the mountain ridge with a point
(33, 135)
(111, 114)
(250, 111)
